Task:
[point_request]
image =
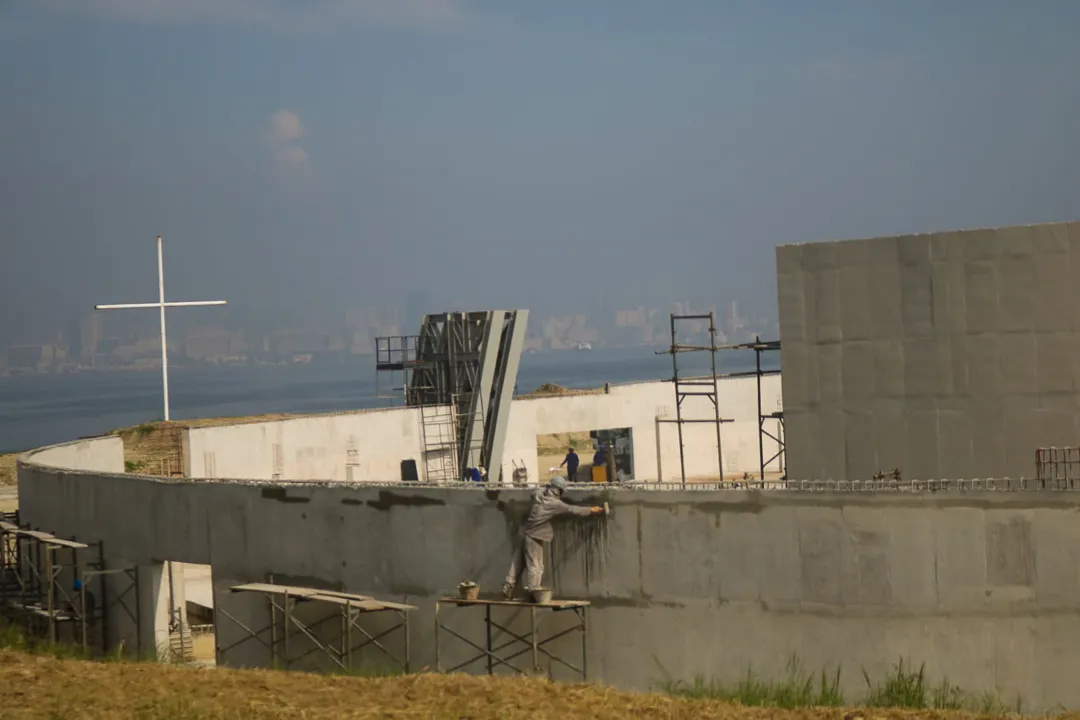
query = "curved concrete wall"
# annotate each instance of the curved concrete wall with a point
(318, 447)
(105, 454)
(985, 587)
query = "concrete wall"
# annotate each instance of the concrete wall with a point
(950, 355)
(316, 447)
(81, 460)
(984, 587)
(104, 454)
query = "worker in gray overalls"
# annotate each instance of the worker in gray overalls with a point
(536, 533)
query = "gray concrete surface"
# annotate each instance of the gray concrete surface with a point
(983, 587)
(948, 355)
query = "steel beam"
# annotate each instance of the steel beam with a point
(473, 444)
(499, 414)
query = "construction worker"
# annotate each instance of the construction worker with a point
(571, 461)
(547, 504)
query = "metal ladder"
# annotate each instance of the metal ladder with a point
(440, 443)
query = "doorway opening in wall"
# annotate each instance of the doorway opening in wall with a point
(604, 455)
(191, 614)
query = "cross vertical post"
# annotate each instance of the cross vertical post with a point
(161, 305)
(164, 342)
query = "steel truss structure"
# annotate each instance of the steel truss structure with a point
(461, 372)
(284, 625)
(694, 386)
(531, 642)
(38, 572)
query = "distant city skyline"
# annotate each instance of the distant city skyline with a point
(107, 340)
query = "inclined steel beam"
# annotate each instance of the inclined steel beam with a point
(499, 414)
(473, 444)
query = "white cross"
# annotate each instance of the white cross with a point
(161, 304)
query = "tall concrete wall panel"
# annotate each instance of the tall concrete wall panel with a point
(949, 355)
(984, 587)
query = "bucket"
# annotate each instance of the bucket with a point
(521, 477)
(469, 591)
(541, 596)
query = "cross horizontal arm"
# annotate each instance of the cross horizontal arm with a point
(133, 306)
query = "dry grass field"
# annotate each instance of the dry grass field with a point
(7, 469)
(40, 686)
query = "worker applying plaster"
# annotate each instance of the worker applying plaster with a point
(537, 532)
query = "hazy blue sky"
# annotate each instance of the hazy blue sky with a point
(333, 152)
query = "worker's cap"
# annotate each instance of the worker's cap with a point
(558, 482)
(78, 583)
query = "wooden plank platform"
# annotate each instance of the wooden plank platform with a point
(368, 605)
(275, 589)
(364, 603)
(42, 536)
(553, 605)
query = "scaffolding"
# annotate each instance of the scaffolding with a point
(533, 641)
(395, 359)
(694, 386)
(340, 648)
(760, 347)
(60, 589)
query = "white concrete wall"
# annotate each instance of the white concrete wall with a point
(309, 448)
(102, 454)
(637, 406)
(317, 447)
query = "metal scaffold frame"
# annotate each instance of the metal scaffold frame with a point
(282, 600)
(395, 356)
(759, 347)
(695, 386)
(35, 568)
(531, 642)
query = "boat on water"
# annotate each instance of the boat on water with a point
(584, 346)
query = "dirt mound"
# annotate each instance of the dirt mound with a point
(550, 389)
(7, 469)
(558, 443)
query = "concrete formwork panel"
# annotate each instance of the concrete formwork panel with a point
(975, 335)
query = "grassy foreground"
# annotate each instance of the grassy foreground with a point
(43, 686)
